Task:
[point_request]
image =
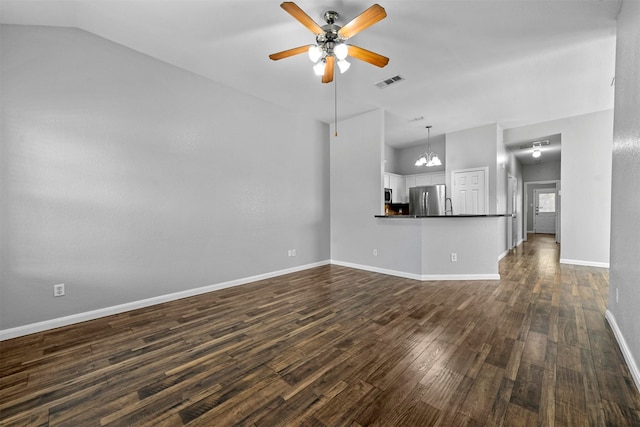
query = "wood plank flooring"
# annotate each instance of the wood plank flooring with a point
(334, 346)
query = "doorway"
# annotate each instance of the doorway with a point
(529, 211)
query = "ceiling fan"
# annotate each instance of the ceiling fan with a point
(330, 47)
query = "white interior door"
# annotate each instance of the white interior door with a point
(469, 193)
(544, 216)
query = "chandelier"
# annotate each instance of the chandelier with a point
(428, 158)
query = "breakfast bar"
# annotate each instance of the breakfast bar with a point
(453, 247)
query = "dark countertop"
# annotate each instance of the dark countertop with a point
(444, 216)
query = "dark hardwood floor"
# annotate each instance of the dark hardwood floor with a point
(336, 346)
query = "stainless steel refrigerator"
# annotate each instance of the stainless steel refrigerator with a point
(428, 200)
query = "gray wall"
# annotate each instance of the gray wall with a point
(390, 155)
(126, 178)
(406, 157)
(356, 180)
(548, 171)
(625, 237)
(476, 147)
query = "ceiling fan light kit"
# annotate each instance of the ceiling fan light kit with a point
(343, 65)
(330, 48)
(319, 67)
(341, 51)
(315, 53)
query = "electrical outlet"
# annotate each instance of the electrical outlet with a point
(58, 290)
(616, 295)
(454, 257)
(293, 252)
(375, 252)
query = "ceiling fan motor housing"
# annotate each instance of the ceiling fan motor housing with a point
(331, 16)
(331, 36)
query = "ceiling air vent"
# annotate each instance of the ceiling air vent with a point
(388, 82)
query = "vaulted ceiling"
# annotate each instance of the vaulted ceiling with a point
(465, 62)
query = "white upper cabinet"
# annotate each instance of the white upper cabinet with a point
(400, 184)
(421, 179)
(438, 178)
(397, 186)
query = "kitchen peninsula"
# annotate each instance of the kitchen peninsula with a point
(452, 247)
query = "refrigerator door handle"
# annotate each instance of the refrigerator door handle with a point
(425, 203)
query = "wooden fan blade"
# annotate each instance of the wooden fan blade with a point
(368, 56)
(289, 52)
(366, 19)
(328, 70)
(295, 11)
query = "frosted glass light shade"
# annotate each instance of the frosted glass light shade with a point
(315, 53)
(319, 68)
(341, 51)
(344, 65)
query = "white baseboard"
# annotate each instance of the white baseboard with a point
(584, 263)
(622, 343)
(421, 277)
(108, 311)
(121, 308)
(377, 270)
(459, 277)
(504, 254)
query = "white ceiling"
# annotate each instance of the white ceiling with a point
(466, 63)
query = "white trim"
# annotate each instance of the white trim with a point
(121, 308)
(377, 270)
(421, 277)
(459, 277)
(584, 263)
(622, 343)
(505, 253)
(116, 309)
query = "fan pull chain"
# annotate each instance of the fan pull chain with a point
(335, 100)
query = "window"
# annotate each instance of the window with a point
(546, 202)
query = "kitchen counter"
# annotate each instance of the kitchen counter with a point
(444, 247)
